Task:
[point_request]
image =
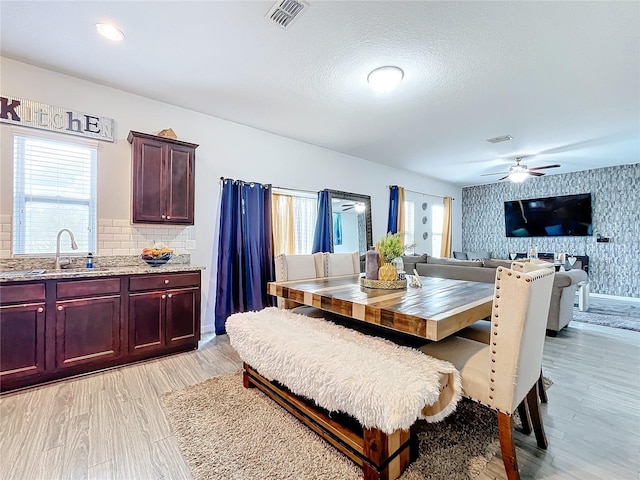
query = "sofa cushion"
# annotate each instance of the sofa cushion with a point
(497, 262)
(453, 262)
(410, 261)
(460, 255)
(478, 255)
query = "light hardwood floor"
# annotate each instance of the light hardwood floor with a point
(110, 425)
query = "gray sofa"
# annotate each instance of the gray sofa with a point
(565, 284)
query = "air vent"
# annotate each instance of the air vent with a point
(503, 138)
(285, 12)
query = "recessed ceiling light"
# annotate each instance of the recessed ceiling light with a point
(109, 31)
(385, 79)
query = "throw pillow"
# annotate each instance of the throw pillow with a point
(460, 255)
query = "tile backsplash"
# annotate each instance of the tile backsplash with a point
(119, 236)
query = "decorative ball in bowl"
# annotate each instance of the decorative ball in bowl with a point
(156, 257)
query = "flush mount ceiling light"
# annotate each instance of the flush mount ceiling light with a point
(385, 79)
(109, 31)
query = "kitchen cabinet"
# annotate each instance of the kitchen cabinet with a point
(87, 321)
(163, 179)
(163, 311)
(22, 327)
(58, 328)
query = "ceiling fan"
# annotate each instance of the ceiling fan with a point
(518, 173)
(359, 207)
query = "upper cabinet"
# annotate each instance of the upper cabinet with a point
(163, 179)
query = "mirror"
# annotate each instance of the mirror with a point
(351, 222)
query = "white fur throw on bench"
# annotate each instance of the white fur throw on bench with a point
(381, 384)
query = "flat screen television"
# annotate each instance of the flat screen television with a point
(563, 216)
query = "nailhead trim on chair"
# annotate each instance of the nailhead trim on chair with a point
(495, 333)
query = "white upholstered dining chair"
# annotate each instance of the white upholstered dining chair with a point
(503, 373)
(480, 331)
(297, 267)
(341, 264)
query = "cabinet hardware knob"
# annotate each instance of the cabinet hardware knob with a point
(170, 295)
(164, 296)
(40, 309)
(166, 281)
(60, 309)
(164, 216)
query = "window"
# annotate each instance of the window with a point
(409, 226)
(294, 221)
(54, 187)
(437, 222)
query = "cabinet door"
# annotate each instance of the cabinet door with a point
(87, 330)
(146, 321)
(179, 183)
(149, 198)
(21, 341)
(183, 326)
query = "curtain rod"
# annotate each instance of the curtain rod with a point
(315, 192)
(297, 189)
(421, 193)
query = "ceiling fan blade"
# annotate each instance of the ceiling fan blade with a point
(536, 174)
(546, 166)
(497, 173)
(503, 178)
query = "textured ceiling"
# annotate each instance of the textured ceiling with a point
(563, 78)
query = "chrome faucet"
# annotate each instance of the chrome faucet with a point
(74, 246)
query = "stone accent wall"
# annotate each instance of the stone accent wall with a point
(614, 267)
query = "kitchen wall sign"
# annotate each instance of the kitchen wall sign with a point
(28, 113)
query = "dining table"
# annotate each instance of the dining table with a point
(439, 308)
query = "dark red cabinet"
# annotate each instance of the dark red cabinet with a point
(165, 318)
(146, 321)
(22, 342)
(63, 327)
(163, 179)
(87, 331)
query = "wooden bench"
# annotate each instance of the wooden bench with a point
(382, 452)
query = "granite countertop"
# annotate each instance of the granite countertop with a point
(103, 271)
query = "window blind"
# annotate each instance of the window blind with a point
(54, 188)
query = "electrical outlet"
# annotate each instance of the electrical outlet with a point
(190, 245)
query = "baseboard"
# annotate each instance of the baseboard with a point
(207, 328)
(615, 297)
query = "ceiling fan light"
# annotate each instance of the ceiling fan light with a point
(518, 177)
(385, 79)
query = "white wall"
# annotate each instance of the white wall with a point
(226, 149)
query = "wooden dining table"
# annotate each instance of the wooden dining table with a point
(438, 309)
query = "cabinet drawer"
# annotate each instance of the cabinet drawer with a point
(22, 293)
(82, 288)
(160, 281)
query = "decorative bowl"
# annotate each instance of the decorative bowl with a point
(156, 261)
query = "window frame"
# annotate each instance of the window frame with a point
(20, 198)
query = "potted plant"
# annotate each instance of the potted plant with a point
(390, 247)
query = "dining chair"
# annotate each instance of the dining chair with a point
(297, 267)
(341, 264)
(502, 374)
(480, 331)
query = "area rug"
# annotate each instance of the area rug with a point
(607, 320)
(228, 432)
